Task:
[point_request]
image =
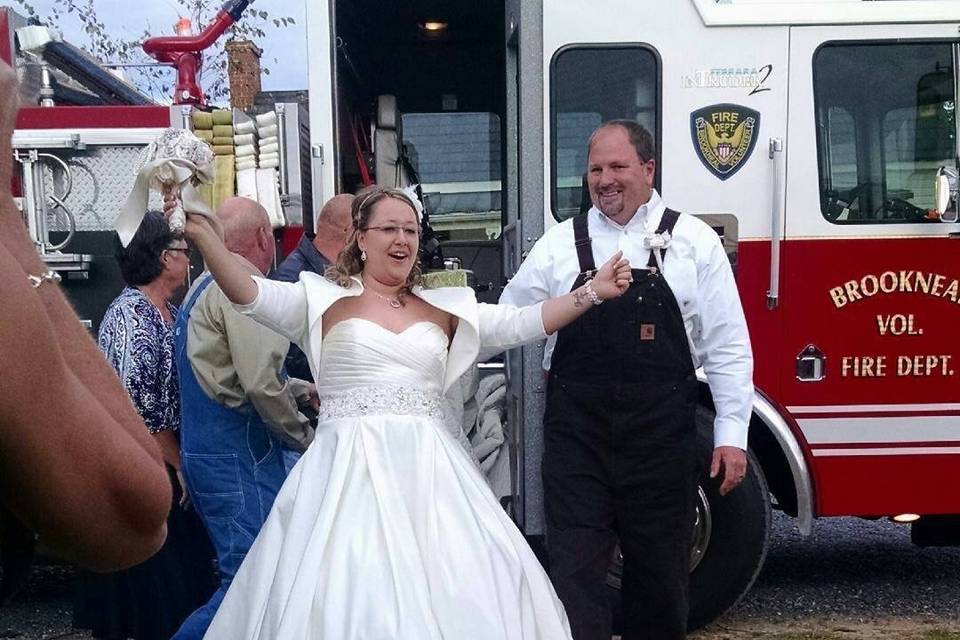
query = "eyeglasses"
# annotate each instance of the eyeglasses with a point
(392, 229)
(186, 250)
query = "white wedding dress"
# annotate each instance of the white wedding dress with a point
(385, 529)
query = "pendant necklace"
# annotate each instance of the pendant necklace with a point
(393, 302)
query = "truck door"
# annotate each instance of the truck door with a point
(869, 288)
(321, 74)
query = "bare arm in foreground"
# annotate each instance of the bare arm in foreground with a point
(79, 467)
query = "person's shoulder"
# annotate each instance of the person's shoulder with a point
(692, 227)
(131, 317)
(318, 280)
(705, 244)
(457, 301)
(289, 270)
(321, 291)
(560, 231)
(131, 302)
(553, 238)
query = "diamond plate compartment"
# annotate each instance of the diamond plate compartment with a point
(102, 179)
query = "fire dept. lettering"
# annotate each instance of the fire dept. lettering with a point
(920, 366)
(897, 324)
(863, 366)
(931, 284)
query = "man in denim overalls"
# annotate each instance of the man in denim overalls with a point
(238, 406)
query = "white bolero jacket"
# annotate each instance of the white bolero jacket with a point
(295, 311)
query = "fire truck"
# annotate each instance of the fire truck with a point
(818, 138)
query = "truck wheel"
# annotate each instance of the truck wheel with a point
(729, 542)
(739, 531)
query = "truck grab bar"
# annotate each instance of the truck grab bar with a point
(316, 177)
(282, 168)
(35, 199)
(776, 222)
(956, 96)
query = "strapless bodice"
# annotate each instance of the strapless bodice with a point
(360, 353)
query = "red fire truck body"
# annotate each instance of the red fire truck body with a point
(808, 134)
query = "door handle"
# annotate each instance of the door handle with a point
(811, 364)
(776, 222)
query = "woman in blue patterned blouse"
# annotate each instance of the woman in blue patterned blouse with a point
(150, 600)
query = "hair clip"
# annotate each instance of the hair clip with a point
(411, 193)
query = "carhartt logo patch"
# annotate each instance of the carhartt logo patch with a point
(648, 331)
(724, 136)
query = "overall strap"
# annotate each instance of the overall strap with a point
(583, 244)
(667, 222)
(183, 317)
(208, 278)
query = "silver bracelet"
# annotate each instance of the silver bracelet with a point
(591, 294)
(46, 276)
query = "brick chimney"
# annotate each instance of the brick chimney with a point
(243, 70)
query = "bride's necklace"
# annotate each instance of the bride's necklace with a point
(394, 302)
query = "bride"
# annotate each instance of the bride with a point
(385, 529)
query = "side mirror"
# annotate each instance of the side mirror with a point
(945, 194)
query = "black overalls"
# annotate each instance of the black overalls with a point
(619, 455)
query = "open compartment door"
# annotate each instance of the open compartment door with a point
(321, 74)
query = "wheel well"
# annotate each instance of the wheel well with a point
(773, 461)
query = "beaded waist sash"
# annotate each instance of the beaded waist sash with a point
(386, 399)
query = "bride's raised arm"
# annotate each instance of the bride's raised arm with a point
(233, 278)
(281, 306)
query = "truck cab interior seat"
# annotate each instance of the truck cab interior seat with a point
(387, 141)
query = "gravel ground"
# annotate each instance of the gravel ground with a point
(851, 580)
(853, 567)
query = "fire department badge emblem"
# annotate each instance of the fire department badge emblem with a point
(724, 136)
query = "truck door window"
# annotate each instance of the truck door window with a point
(590, 85)
(457, 158)
(885, 122)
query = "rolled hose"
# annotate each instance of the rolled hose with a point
(77, 65)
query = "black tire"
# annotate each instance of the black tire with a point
(739, 532)
(730, 542)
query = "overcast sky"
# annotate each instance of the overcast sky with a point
(128, 18)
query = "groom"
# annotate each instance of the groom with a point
(238, 406)
(620, 452)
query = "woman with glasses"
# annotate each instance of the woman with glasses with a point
(151, 600)
(385, 528)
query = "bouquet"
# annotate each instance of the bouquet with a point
(175, 163)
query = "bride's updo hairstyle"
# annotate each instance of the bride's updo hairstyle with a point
(349, 262)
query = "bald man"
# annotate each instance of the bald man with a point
(333, 229)
(239, 410)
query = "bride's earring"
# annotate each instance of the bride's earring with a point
(363, 255)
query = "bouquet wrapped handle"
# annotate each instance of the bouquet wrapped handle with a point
(177, 217)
